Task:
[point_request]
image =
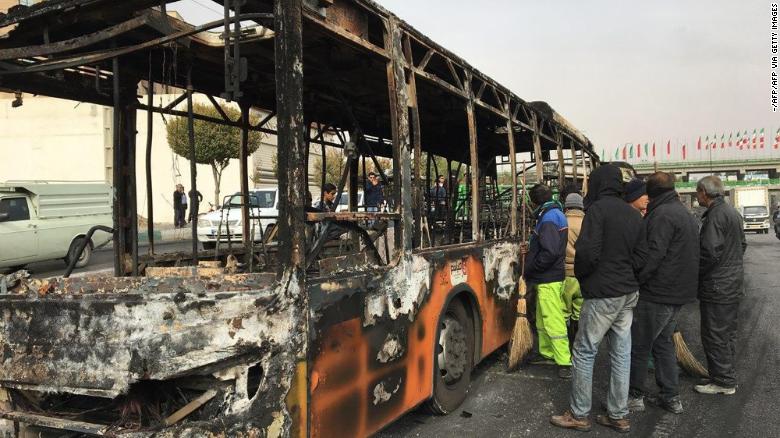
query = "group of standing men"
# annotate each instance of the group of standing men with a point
(180, 206)
(615, 266)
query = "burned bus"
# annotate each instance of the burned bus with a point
(302, 334)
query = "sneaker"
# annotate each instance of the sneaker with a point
(621, 425)
(564, 372)
(636, 404)
(568, 421)
(714, 388)
(673, 405)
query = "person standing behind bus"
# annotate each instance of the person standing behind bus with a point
(572, 296)
(179, 206)
(438, 197)
(374, 196)
(545, 271)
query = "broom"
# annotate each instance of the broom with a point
(522, 340)
(685, 357)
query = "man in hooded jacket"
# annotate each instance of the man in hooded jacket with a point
(603, 265)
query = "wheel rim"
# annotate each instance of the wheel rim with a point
(453, 350)
(83, 255)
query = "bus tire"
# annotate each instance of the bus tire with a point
(86, 255)
(453, 359)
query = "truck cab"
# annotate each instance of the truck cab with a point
(42, 220)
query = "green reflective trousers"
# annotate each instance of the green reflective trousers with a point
(551, 324)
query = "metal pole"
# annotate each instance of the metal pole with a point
(119, 246)
(149, 191)
(245, 224)
(193, 167)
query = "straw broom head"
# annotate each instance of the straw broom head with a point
(685, 357)
(522, 339)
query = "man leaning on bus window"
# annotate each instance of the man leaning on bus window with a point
(603, 265)
(545, 271)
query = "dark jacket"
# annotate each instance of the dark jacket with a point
(373, 195)
(545, 262)
(179, 200)
(722, 246)
(603, 263)
(667, 258)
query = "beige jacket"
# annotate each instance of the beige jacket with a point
(574, 218)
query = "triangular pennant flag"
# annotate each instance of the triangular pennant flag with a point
(730, 139)
(723, 141)
(755, 139)
(741, 140)
(762, 138)
(707, 143)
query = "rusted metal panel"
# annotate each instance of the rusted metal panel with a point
(375, 334)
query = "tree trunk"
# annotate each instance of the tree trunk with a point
(217, 171)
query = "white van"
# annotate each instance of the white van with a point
(42, 220)
(264, 202)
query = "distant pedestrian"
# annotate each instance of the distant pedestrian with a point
(603, 265)
(195, 199)
(636, 195)
(179, 206)
(720, 285)
(572, 296)
(373, 193)
(667, 266)
(545, 271)
(438, 197)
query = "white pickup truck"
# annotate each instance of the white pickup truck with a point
(42, 220)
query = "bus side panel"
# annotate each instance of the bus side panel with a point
(370, 365)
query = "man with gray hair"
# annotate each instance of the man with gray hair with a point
(722, 245)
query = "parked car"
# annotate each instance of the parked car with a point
(344, 202)
(42, 220)
(217, 225)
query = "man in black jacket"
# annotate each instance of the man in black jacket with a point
(667, 266)
(603, 265)
(720, 285)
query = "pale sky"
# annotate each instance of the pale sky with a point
(621, 71)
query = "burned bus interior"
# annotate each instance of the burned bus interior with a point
(171, 341)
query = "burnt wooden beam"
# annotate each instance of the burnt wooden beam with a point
(399, 115)
(416, 131)
(474, 160)
(537, 148)
(513, 163)
(561, 164)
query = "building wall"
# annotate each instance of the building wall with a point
(54, 139)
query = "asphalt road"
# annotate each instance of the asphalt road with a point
(102, 260)
(519, 404)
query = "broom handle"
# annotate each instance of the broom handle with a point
(522, 216)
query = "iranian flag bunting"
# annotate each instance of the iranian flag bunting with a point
(755, 139)
(625, 156)
(698, 144)
(723, 141)
(730, 139)
(638, 151)
(617, 151)
(777, 139)
(647, 150)
(669, 147)
(707, 143)
(761, 142)
(653, 149)
(741, 140)
(683, 151)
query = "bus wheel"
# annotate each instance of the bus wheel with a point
(453, 359)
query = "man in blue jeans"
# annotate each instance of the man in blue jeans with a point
(603, 266)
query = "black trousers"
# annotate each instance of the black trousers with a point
(719, 339)
(178, 218)
(651, 332)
